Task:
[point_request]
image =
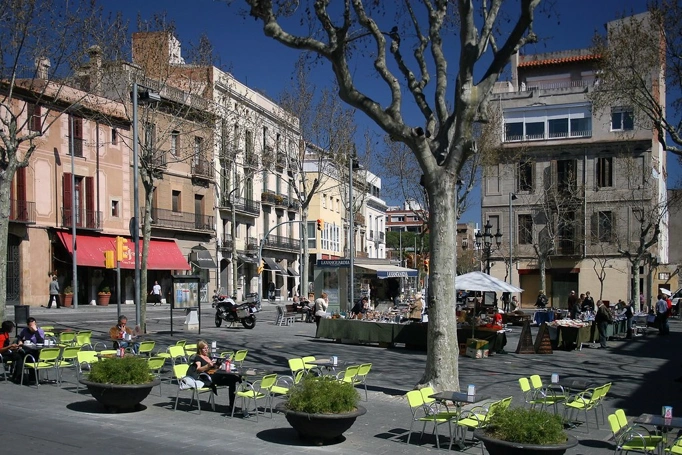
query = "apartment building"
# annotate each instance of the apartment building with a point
(253, 141)
(374, 212)
(78, 176)
(577, 181)
(408, 218)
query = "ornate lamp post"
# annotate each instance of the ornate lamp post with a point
(485, 240)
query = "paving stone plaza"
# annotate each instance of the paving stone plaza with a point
(49, 419)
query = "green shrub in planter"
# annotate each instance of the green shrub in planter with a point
(124, 370)
(527, 426)
(323, 395)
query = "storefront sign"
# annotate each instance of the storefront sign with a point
(406, 274)
(329, 263)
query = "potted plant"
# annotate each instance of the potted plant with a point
(518, 431)
(103, 296)
(120, 383)
(67, 296)
(321, 408)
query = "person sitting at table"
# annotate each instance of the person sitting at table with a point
(120, 331)
(31, 333)
(197, 373)
(8, 350)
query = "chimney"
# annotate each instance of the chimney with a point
(42, 67)
(95, 54)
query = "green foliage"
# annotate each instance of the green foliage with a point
(527, 426)
(105, 290)
(125, 370)
(68, 290)
(323, 395)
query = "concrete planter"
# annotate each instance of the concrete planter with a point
(120, 397)
(499, 447)
(320, 428)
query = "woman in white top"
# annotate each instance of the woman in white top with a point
(321, 306)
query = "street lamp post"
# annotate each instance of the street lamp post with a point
(485, 240)
(352, 166)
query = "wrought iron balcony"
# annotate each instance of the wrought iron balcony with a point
(86, 219)
(359, 219)
(242, 205)
(281, 160)
(227, 242)
(278, 200)
(251, 159)
(283, 243)
(181, 220)
(202, 168)
(252, 244)
(294, 204)
(22, 212)
(160, 158)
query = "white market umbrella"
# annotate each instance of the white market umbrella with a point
(665, 291)
(479, 281)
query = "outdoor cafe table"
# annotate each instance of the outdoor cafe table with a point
(661, 422)
(328, 364)
(414, 335)
(459, 399)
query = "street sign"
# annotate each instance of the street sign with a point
(329, 263)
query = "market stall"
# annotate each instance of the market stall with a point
(413, 335)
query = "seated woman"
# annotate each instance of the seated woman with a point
(8, 350)
(31, 334)
(197, 373)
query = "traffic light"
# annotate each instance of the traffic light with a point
(426, 265)
(261, 267)
(109, 260)
(121, 248)
(320, 225)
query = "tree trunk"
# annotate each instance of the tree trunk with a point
(442, 369)
(543, 274)
(306, 253)
(146, 235)
(635, 287)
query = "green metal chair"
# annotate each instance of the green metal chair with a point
(68, 359)
(633, 438)
(179, 373)
(585, 401)
(422, 413)
(360, 378)
(84, 359)
(545, 396)
(48, 361)
(296, 365)
(83, 338)
(259, 390)
(239, 357)
(155, 365)
(349, 374)
(146, 348)
(67, 339)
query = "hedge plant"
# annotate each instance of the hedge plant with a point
(527, 426)
(322, 395)
(124, 370)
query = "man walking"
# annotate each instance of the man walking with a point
(54, 292)
(662, 315)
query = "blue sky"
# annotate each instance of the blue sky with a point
(263, 64)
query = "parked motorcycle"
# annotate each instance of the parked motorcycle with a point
(228, 311)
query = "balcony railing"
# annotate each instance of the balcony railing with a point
(381, 237)
(278, 200)
(242, 205)
(181, 220)
(251, 159)
(22, 212)
(252, 244)
(294, 204)
(226, 243)
(87, 219)
(160, 158)
(371, 235)
(359, 218)
(202, 168)
(547, 136)
(285, 243)
(281, 159)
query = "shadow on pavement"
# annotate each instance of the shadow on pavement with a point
(93, 407)
(288, 436)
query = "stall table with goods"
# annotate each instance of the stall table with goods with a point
(573, 333)
(413, 335)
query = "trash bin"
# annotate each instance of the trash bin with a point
(21, 314)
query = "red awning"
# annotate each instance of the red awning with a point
(163, 254)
